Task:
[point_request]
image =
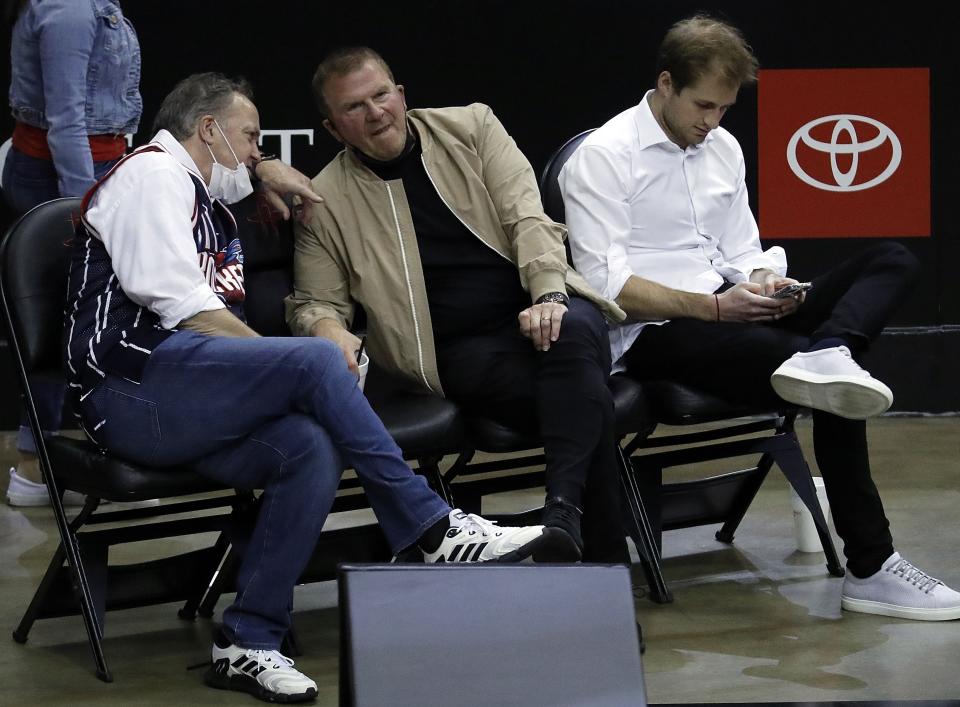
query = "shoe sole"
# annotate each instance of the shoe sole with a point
(852, 398)
(899, 612)
(553, 545)
(17, 500)
(245, 683)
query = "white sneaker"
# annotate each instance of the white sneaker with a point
(24, 493)
(268, 675)
(901, 590)
(474, 539)
(829, 379)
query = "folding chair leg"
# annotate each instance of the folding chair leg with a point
(40, 596)
(743, 500)
(639, 529)
(188, 612)
(430, 468)
(225, 574)
(84, 599)
(794, 467)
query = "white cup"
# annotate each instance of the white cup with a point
(364, 365)
(808, 540)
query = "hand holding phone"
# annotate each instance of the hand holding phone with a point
(792, 290)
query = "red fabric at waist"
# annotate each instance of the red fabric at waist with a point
(32, 141)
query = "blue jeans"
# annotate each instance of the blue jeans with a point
(27, 182)
(281, 414)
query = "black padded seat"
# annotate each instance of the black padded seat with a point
(630, 408)
(677, 404)
(421, 425)
(81, 467)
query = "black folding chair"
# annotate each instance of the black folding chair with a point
(34, 259)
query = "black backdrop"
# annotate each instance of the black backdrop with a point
(552, 69)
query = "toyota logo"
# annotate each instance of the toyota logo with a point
(844, 181)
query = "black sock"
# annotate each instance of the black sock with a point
(829, 343)
(431, 539)
(221, 640)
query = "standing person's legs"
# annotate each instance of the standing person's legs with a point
(27, 182)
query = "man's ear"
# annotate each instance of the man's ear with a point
(206, 129)
(665, 83)
(402, 95)
(333, 131)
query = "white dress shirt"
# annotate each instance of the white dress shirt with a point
(638, 204)
(145, 214)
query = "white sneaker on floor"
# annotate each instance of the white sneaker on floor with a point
(475, 539)
(23, 493)
(830, 380)
(267, 675)
(901, 590)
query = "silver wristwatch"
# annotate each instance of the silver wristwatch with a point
(558, 297)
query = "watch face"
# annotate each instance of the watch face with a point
(553, 297)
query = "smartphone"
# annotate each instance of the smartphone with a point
(791, 290)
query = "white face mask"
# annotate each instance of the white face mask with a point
(228, 185)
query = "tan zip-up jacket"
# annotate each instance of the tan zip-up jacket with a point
(360, 244)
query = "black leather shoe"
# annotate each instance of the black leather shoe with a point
(560, 513)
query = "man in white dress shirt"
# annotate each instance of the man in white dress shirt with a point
(656, 204)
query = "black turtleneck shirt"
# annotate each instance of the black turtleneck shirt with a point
(471, 288)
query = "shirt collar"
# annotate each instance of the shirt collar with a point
(170, 144)
(649, 132)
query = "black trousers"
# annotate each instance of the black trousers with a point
(560, 395)
(734, 360)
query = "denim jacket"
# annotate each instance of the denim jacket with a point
(75, 68)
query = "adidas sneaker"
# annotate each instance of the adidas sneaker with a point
(267, 675)
(475, 539)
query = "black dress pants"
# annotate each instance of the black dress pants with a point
(560, 396)
(734, 361)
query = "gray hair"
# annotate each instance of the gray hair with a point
(198, 95)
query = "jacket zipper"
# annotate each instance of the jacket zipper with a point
(406, 274)
(457, 216)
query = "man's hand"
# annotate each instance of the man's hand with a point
(279, 180)
(541, 323)
(746, 303)
(348, 343)
(770, 282)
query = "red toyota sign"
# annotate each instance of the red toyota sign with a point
(844, 153)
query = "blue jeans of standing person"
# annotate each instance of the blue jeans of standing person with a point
(28, 182)
(281, 414)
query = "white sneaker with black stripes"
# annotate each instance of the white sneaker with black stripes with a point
(475, 539)
(267, 675)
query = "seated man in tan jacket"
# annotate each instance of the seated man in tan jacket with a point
(433, 223)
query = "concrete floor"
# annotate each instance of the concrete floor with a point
(752, 622)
